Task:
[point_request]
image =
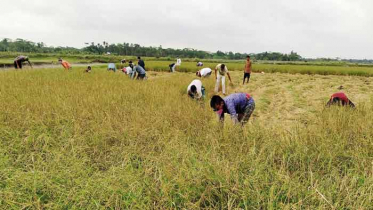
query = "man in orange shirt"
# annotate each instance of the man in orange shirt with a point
(65, 64)
(247, 71)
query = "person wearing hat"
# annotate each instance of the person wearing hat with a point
(239, 106)
(19, 60)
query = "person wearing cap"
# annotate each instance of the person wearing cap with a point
(205, 72)
(66, 65)
(247, 71)
(239, 106)
(220, 71)
(18, 61)
(340, 99)
(196, 90)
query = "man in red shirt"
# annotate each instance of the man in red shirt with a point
(340, 99)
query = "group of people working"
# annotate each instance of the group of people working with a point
(133, 70)
(19, 60)
(239, 106)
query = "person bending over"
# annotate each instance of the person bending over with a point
(220, 71)
(340, 99)
(205, 72)
(196, 90)
(18, 61)
(66, 65)
(239, 106)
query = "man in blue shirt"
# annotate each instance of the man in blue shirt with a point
(239, 105)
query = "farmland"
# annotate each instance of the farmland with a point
(99, 140)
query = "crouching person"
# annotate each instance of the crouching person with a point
(239, 106)
(141, 74)
(340, 99)
(196, 90)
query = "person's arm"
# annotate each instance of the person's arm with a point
(352, 105)
(29, 63)
(216, 77)
(229, 76)
(232, 111)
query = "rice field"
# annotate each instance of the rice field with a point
(70, 140)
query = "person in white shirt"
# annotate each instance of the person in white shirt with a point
(220, 71)
(196, 90)
(178, 61)
(205, 72)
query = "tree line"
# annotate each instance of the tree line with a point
(130, 49)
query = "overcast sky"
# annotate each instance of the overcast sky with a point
(313, 28)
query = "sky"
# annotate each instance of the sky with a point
(317, 28)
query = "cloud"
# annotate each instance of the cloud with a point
(318, 28)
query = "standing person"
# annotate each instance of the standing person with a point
(247, 71)
(19, 60)
(239, 105)
(205, 72)
(178, 61)
(141, 62)
(220, 71)
(65, 64)
(196, 90)
(172, 67)
(340, 99)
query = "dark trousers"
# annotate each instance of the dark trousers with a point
(17, 64)
(246, 75)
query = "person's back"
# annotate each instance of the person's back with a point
(141, 62)
(140, 69)
(66, 64)
(198, 88)
(340, 99)
(111, 66)
(205, 72)
(20, 58)
(236, 102)
(240, 106)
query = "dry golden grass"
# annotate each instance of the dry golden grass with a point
(94, 141)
